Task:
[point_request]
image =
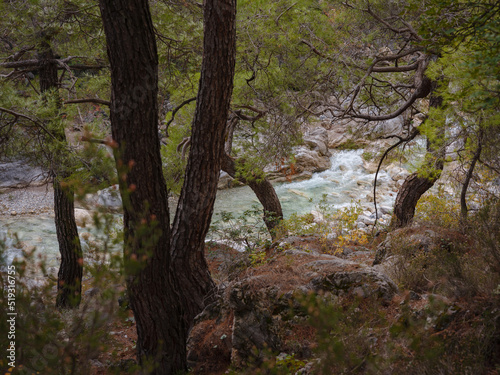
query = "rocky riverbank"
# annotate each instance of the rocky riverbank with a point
(32, 200)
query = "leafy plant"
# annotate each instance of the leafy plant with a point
(246, 231)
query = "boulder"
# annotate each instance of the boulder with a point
(110, 198)
(225, 181)
(366, 220)
(412, 240)
(388, 127)
(317, 140)
(337, 139)
(19, 173)
(83, 217)
(397, 173)
(310, 160)
(306, 175)
(260, 312)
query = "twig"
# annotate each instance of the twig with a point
(176, 109)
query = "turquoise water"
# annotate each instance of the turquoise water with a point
(344, 182)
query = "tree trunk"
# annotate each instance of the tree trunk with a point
(463, 196)
(151, 284)
(195, 207)
(416, 185)
(409, 194)
(69, 286)
(69, 277)
(273, 214)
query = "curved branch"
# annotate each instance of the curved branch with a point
(401, 140)
(176, 109)
(32, 119)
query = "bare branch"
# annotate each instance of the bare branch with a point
(401, 140)
(281, 14)
(32, 119)
(176, 109)
(315, 50)
(395, 69)
(89, 100)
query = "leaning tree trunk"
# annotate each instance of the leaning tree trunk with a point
(416, 185)
(151, 284)
(264, 190)
(463, 195)
(195, 207)
(69, 277)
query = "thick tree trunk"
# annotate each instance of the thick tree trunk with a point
(152, 286)
(409, 194)
(273, 214)
(69, 287)
(195, 207)
(416, 185)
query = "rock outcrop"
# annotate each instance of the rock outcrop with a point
(260, 309)
(20, 174)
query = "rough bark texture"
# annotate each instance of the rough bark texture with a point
(409, 194)
(265, 193)
(415, 186)
(195, 207)
(69, 277)
(69, 287)
(152, 287)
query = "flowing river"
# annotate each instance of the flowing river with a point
(346, 181)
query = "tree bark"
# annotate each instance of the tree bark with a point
(463, 195)
(151, 284)
(264, 190)
(69, 277)
(416, 185)
(195, 207)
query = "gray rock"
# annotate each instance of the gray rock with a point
(225, 181)
(366, 220)
(252, 324)
(110, 198)
(310, 160)
(385, 210)
(350, 277)
(83, 217)
(426, 240)
(19, 173)
(317, 139)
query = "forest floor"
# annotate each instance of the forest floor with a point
(455, 333)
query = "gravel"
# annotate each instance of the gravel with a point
(27, 201)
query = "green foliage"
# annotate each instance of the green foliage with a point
(350, 144)
(335, 228)
(299, 225)
(362, 336)
(246, 230)
(49, 341)
(367, 156)
(438, 209)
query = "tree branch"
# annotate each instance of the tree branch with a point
(32, 119)
(88, 100)
(401, 140)
(176, 109)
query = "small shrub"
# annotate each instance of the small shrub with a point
(247, 230)
(367, 156)
(438, 209)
